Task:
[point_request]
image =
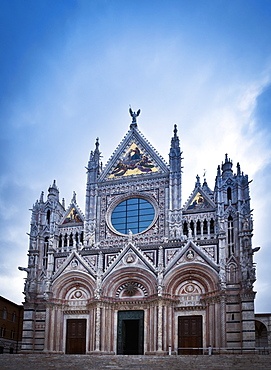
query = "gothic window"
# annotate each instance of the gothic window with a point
(230, 235)
(192, 227)
(205, 227)
(229, 196)
(71, 240)
(198, 228)
(212, 226)
(65, 240)
(76, 238)
(45, 252)
(134, 214)
(4, 313)
(185, 228)
(82, 237)
(60, 242)
(48, 216)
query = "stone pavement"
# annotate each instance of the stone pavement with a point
(106, 362)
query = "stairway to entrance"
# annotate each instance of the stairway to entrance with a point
(87, 362)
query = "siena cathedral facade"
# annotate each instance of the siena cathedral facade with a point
(140, 272)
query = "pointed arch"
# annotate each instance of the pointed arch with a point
(204, 276)
(72, 281)
(118, 278)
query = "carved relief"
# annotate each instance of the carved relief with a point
(77, 293)
(190, 293)
(91, 260)
(151, 256)
(190, 255)
(170, 253)
(131, 289)
(109, 258)
(210, 251)
(130, 258)
(59, 262)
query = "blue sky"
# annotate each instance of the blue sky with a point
(70, 69)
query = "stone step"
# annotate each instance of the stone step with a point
(87, 362)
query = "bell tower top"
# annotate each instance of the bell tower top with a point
(227, 166)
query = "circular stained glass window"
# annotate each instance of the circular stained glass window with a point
(135, 214)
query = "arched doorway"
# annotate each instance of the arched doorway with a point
(261, 338)
(130, 332)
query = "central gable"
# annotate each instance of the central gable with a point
(134, 161)
(133, 157)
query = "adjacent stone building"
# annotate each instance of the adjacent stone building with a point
(141, 272)
(11, 324)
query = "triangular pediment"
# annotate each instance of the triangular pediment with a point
(130, 256)
(232, 261)
(72, 217)
(191, 253)
(199, 201)
(230, 210)
(73, 263)
(133, 157)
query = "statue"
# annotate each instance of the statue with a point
(134, 114)
(130, 236)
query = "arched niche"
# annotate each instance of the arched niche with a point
(261, 334)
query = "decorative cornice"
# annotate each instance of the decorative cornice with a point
(76, 312)
(190, 308)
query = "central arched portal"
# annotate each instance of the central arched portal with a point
(130, 332)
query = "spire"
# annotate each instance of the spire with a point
(94, 159)
(238, 169)
(175, 150)
(74, 197)
(96, 151)
(41, 197)
(198, 181)
(227, 167)
(205, 186)
(175, 130)
(175, 182)
(53, 191)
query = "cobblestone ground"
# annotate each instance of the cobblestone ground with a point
(85, 362)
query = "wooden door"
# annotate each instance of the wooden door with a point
(76, 336)
(189, 335)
